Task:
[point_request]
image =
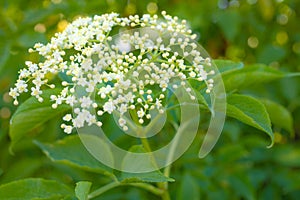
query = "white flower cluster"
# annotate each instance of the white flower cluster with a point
(131, 74)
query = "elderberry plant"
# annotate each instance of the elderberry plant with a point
(128, 80)
(111, 65)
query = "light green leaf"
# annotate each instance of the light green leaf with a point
(279, 115)
(155, 176)
(188, 189)
(32, 114)
(249, 111)
(201, 99)
(34, 188)
(71, 151)
(82, 190)
(226, 66)
(250, 75)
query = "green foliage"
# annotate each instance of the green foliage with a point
(250, 111)
(249, 76)
(32, 114)
(71, 151)
(189, 188)
(35, 188)
(239, 167)
(82, 190)
(279, 115)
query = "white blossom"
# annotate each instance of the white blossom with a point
(112, 77)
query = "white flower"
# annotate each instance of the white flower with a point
(13, 92)
(86, 102)
(140, 113)
(67, 117)
(35, 91)
(109, 107)
(21, 86)
(104, 67)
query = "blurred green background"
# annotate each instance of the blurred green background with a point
(251, 31)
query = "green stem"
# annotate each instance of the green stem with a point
(293, 74)
(103, 189)
(112, 185)
(148, 187)
(162, 187)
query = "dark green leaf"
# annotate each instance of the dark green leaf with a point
(32, 114)
(270, 53)
(155, 176)
(71, 151)
(34, 188)
(225, 66)
(249, 111)
(230, 23)
(242, 187)
(82, 190)
(279, 115)
(189, 189)
(4, 52)
(250, 75)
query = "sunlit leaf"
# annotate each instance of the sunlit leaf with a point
(250, 75)
(72, 152)
(82, 190)
(250, 111)
(32, 114)
(34, 188)
(225, 66)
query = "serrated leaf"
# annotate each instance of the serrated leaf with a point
(279, 115)
(82, 190)
(226, 66)
(154, 177)
(250, 75)
(32, 114)
(34, 188)
(72, 152)
(250, 111)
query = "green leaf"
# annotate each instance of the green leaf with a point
(225, 66)
(34, 188)
(72, 152)
(155, 176)
(229, 23)
(1, 171)
(201, 99)
(242, 186)
(189, 188)
(250, 75)
(249, 111)
(32, 114)
(4, 52)
(279, 115)
(269, 53)
(82, 190)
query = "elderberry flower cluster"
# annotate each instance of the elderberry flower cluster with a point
(130, 72)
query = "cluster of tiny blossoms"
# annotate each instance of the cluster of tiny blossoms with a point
(131, 74)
